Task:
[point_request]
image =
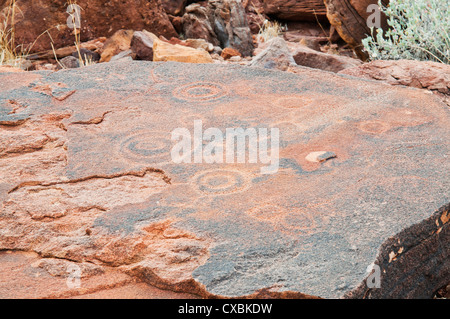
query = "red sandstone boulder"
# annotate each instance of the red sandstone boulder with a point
(229, 52)
(222, 23)
(275, 55)
(119, 42)
(196, 24)
(164, 51)
(296, 10)
(34, 18)
(419, 74)
(305, 56)
(142, 45)
(255, 14)
(349, 18)
(174, 7)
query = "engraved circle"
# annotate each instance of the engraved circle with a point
(299, 220)
(407, 117)
(146, 146)
(293, 102)
(267, 212)
(286, 220)
(374, 127)
(221, 182)
(200, 92)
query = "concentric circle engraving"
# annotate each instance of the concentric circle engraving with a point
(200, 92)
(407, 117)
(374, 127)
(292, 220)
(221, 182)
(293, 102)
(147, 147)
(267, 212)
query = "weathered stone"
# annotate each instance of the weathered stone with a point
(221, 23)
(217, 50)
(200, 44)
(321, 156)
(177, 23)
(229, 52)
(127, 55)
(419, 74)
(118, 42)
(86, 55)
(197, 25)
(231, 25)
(174, 7)
(142, 45)
(235, 58)
(163, 51)
(255, 14)
(92, 45)
(70, 62)
(276, 55)
(349, 18)
(35, 18)
(50, 278)
(9, 68)
(297, 10)
(311, 41)
(87, 177)
(318, 60)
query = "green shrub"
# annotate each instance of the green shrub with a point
(418, 30)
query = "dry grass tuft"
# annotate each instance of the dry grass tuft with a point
(10, 54)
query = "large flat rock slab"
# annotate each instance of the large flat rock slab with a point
(86, 175)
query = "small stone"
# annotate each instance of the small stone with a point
(142, 45)
(319, 157)
(163, 51)
(70, 62)
(118, 42)
(276, 55)
(200, 44)
(127, 55)
(228, 53)
(87, 55)
(217, 50)
(235, 59)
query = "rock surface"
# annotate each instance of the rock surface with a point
(118, 42)
(142, 45)
(86, 178)
(174, 7)
(229, 52)
(97, 19)
(419, 74)
(255, 14)
(349, 18)
(276, 55)
(297, 10)
(318, 60)
(221, 23)
(49, 278)
(163, 51)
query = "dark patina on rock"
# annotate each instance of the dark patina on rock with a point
(93, 153)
